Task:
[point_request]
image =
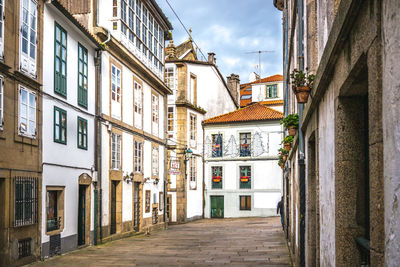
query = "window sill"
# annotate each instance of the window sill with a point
(26, 139)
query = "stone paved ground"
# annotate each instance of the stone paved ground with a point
(209, 242)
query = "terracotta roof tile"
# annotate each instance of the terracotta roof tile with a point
(272, 102)
(254, 112)
(273, 78)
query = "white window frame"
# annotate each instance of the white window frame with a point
(138, 156)
(27, 63)
(154, 161)
(193, 127)
(1, 103)
(170, 77)
(2, 20)
(155, 113)
(29, 121)
(116, 145)
(116, 82)
(138, 109)
(193, 172)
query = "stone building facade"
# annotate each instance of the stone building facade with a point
(21, 42)
(199, 92)
(341, 181)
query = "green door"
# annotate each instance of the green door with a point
(217, 206)
(81, 215)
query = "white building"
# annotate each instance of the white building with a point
(199, 92)
(242, 176)
(133, 110)
(68, 132)
(268, 90)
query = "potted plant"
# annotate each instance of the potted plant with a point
(216, 179)
(302, 83)
(244, 179)
(287, 142)
(280, 162)
(291, 123)
(284, 153)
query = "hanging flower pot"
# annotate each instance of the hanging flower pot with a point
(287, 146)
(302, 93)
(284, 158)
(292, 130)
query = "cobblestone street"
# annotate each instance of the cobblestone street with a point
(210, 242)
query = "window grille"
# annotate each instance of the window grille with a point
(26, 201)
(24, 248)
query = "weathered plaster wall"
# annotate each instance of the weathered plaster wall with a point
(391, 128)
(326, 160)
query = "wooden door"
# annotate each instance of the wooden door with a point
(113, 226)
(169, 208)
(136, 206)
(82, 215)
(217, 206)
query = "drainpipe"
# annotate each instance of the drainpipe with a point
(203, 180)
(300, 12)
(99, 141)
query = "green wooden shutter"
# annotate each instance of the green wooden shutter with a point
(82, 76)
(60, 60)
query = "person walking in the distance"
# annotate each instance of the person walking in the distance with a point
(279, 209)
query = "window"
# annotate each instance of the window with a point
(60, 60)
(28, 37)
(147, 202)
(155, 161)
(191, 93)
(245, 177)
(154, 103)
(243, 97)
(82, 133)
(60, 125)
(138, 157)
(193, 171)
(141, 29)
(193, 127)
(24, 248)
(82, 76)
(27, 112)
(170, 122)
(245, 202)
(26, 201)
(1, 102)
(115, 92)
(216, 177)
(54, 208)
(170, 78)
(272, 91)
(245, 144)
(138, 105)
(1, 28)
(216, 145)
(115, 151)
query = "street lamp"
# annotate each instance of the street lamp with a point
(128, 178)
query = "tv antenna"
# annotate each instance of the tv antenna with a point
(259, 52)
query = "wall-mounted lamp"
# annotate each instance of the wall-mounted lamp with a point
(188, 154)
(128, 178)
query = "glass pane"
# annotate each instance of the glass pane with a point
(63, 53)
(57, 132)
(32, 128)
(63, 134)
(24, 45)
(24, 111)
(63, 68)
(64, 38)
(32, 53)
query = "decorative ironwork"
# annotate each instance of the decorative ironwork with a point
(26, 201)
(231, 148)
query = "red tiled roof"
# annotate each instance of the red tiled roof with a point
(272, 102)
(254, 112)
(273, 78)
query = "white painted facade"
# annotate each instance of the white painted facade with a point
(259, 93)
(147, 128)
(64, 163)
(212, 96)
(266, 175)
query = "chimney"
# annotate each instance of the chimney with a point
(233, 82)
(171, 50)
(211, 58)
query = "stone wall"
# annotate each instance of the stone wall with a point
(391, 128)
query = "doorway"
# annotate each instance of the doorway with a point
(136, 206)
(113, 228)
(169, 208)
(82, 215)
(217, 206)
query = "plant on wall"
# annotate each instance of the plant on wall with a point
(287, 142)
(302, 83)
(291, 122)
(283, 153)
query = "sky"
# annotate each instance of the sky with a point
(231, 29)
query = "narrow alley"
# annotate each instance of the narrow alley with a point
(209, 242)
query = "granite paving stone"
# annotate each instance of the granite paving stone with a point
(208, 242)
